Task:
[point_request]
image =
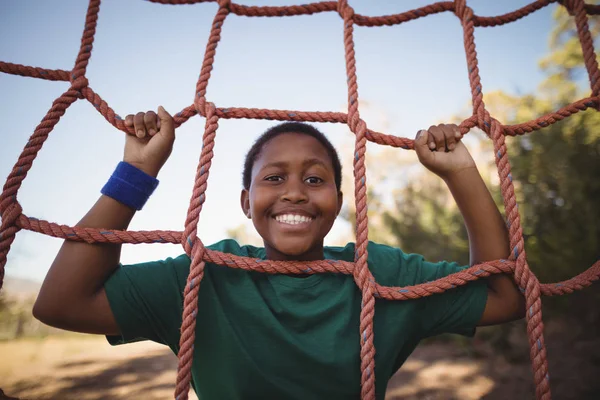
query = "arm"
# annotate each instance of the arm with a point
(72, 296)
(441, 150)
(488, 240)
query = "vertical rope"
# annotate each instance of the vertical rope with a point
(87, 41)
(362, 273)
(209, 55)
(465, 14)
(587, 44)
(193, 246)
(8, 232)
(523, 275)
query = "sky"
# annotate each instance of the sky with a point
(145, 55)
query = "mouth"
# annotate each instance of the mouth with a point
(293, 220)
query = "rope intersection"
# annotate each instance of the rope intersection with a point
(13, 218)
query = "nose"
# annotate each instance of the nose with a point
(294, 191)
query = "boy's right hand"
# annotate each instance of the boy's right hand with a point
(152, 143)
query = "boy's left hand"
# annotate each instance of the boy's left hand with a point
(441, 151)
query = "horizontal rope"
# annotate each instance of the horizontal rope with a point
(34, 72)
(383, 20)
(91, 235)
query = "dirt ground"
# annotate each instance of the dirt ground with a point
(87, 368)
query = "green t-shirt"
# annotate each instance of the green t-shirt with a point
(284, 337)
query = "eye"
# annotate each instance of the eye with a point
(273, 178)
(313, 180)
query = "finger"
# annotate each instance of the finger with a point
(129, 120)
(438, 137)
(150, 119)
(458, 135)
(450, 134)
(167, 126)
(430, 139)
(138, 125)
(421, 145)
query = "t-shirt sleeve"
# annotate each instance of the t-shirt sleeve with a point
(146, 300)
(456, 310)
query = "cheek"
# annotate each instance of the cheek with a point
(260, 200)
(328, 203)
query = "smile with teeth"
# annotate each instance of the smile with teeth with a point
(293, 219)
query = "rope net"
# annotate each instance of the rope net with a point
(13, 218)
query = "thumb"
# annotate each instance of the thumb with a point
(421, 147)
(167, 126)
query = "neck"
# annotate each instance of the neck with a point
(314, 254)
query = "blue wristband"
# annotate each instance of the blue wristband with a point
(130, 186)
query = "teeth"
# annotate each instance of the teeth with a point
(292, 219)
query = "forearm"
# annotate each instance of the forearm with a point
(488, 239)
(488, 236)
(442, 152)
(80, 269)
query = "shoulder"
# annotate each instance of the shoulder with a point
(389, 265)
(229, 246)
(178, 267)
(376, 250)
(233, 247)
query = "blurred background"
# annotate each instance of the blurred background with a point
(409, 77)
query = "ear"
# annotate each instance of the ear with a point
(340, 202)
(245, 202)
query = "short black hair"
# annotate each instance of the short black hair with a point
(290, 127)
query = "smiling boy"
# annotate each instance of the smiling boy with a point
(277, 336)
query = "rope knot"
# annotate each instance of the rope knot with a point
(200, 106)
(224, 4)
(460, 8)
(485, 121)
(79, 82)
(192, 245)
(209, 109)
(188, 242)
(361, 126)
(345, 11)
(10, 215)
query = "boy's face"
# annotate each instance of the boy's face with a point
(293, 200)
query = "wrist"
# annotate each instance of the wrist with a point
(460, 176)
(130, 186)
(147, 169)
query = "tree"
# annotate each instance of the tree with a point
(555, 171)
(425, 221)
(557, 168)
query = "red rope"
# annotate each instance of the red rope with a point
(14, 220)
